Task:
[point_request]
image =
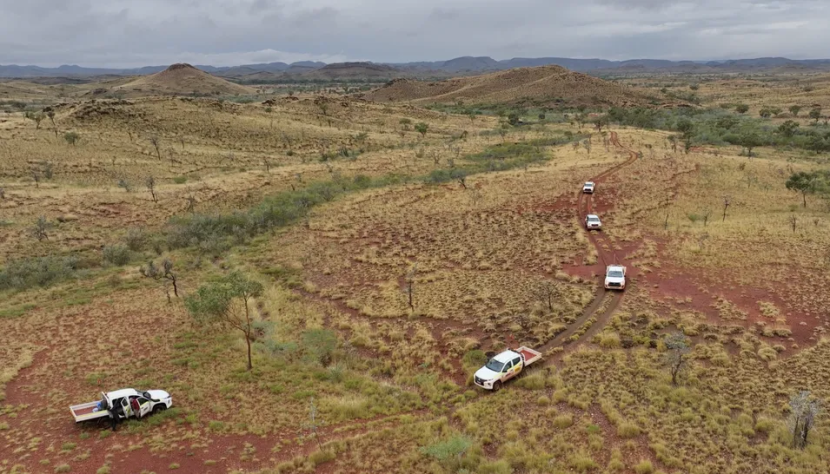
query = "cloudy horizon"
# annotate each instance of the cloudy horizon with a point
(132, 33)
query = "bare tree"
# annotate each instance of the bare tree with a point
(677, 348)
(41, 228)
(150, 182)
(123, 183)
(191, 204)
(727, 201)
(51, 115)
(2, 193)
(314, 424)
(793, 220)
(156, 142)
(546, 292)
(163, 273)
(410, 283)
(36, 178)
(267, 165)
(803, 412)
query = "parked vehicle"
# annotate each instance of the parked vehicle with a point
(615, 277)
(592, 222)
(505, 366)
(124, 403)
(588, 188)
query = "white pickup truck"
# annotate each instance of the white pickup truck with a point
(504, 367)
(615, 277)
(588, 187)
(123, 402)
(592, 222)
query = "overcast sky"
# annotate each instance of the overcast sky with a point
(131, 33)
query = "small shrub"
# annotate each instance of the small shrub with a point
(609, 340)
(135, 239)
(497, 467)
(40, 271)
(118, 255)
(68, 446)
(627, 430)
(532, 382)
(180, 179)
(63, 468)
(563, 421)
(105, 469)
(174, 466)
(321, 457)
(543, 401)
(644, 467)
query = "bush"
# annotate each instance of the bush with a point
(321, 457)
(627, 430)
(448, 449)
(644, 467)
(563, 421)
(41, 271)
(180, 179)
(135, 239)
(118, 255)
(497, 467)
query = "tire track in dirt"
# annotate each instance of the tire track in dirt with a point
(605, 302)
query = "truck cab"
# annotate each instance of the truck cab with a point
(588, 187)
(592, 222)
(615, 277)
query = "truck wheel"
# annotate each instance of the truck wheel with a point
(159, 408)
(497, 386)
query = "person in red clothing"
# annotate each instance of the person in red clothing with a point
(135, 406)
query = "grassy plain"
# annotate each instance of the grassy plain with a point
(477, 225)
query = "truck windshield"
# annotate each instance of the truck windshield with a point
(495, 365)
(615, 274)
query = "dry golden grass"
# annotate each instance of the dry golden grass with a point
(394, 394)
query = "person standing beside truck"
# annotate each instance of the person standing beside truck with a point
(135, 406)
(115, 414)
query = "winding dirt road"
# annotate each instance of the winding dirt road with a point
(605, 302)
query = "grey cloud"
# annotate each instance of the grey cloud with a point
(126, 33)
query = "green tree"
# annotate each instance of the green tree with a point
(750, 140)
(788, 128)
(422, 128)
(227, 302)
(71, 138)
(686, 128)
(35, 117)
(795, 109)
(804, 183)
(742, 108)
(513, 119)
(815, 114)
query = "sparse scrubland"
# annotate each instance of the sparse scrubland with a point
(372, 255)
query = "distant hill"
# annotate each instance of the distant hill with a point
(540, 86)
(458, 66)
(358, 70)
(181, 79)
